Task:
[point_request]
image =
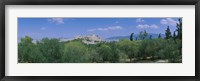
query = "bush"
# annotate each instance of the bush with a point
(75, 51)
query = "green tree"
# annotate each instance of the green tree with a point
(105, 53)
(159, 36)
(94, 56)
(28, 51)
(75, 52)
(131, 37)
(148, 48)
(24, 49)
(51, 49)
(115, 52)
(150, 37)
(174, 36)
(170, 51)
(141, 35)
(145, 34)
(179, 29)
(167, 33)
(129, 48)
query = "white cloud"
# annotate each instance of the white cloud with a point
(169, 21)
(147, 26)
(106, 29)
(43, 28)
(154, 26)
(139, 20)
(56, 20)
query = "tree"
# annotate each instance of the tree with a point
(170, 51)
(141, 35)
(29, 52)
(129, 48)
(167, 33)
(150, 37)
(114, 50)
(159, 36)
(105, 52)
(179, 29)
(51, 49)
(24, 49)
(174, 36)
(145, 34)
(94, 56)
(141, 50)
(75, 52)
(148, 48)
(131, 37)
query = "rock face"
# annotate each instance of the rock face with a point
(89, 39)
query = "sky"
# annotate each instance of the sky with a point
(38, 28)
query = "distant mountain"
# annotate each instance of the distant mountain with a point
(118, 37)
(135, 36)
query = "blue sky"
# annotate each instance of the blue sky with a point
(38, 28)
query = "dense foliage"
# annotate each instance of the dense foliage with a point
(75, 51)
